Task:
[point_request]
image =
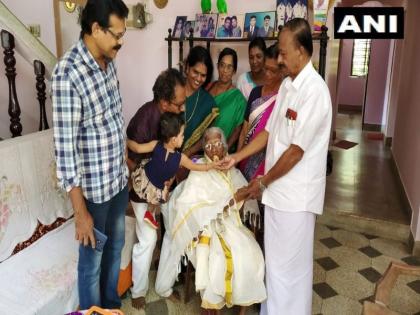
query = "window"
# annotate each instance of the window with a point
(360, 59)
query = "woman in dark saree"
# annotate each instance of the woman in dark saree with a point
(260, 105)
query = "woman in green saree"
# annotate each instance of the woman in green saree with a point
(200, 109)
(229, 100)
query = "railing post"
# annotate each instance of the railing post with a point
(39, 70)
(190, 38)
(169, 48)
(323, 50)
(8, 44)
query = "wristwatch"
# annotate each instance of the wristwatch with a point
(262, 186)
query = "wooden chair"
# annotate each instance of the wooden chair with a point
(384, 287)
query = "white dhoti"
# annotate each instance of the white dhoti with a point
(289, 242)
(142, 251)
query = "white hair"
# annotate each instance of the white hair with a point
(212, 131)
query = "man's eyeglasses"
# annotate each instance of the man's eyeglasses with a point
(216, 145)
(117, 37)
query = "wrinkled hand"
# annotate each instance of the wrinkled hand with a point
(228, 162)
(84, 228)
(254, 190)
(242, 194)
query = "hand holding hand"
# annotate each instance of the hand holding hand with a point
(254, 189)
(242, 194)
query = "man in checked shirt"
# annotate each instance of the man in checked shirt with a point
(90, 148)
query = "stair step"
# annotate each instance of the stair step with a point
(352, 222)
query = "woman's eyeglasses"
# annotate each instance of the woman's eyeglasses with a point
(216, 145)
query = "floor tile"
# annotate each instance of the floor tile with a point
(411, 260)
(332, 228)
(350, 239)
(327, 263)
(322, 231)
(330, 242)
(404, 299)
(341, 305)
(370, 274)
(320, 250)
(324, 290)
(319, 274)
(370, 251)
(157, 308)
(415, 285)
(382, 262)
(316, 304)
(350, 258)
(390, 247)
(369, 237)
(350, 283)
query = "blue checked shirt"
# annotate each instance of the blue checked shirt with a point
(88, 126)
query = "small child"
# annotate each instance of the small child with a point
(150, 176)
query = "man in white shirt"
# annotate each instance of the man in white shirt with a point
(293, 187)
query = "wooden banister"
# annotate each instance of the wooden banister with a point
(8, 44)
(39, 70)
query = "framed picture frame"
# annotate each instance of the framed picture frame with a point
(260, 24)
(178, 30)
(290, 9)
(230, 26)
(188, 26)
(205, 25)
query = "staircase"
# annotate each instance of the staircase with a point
(16, 38)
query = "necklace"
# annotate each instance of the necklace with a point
(195, 106)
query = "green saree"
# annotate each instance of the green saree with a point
(231, 105)
(200, 111)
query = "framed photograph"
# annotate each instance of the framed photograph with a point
(262, 24)
(290, 9)
(205, 25)
(178, 30)
(320, 14)
(187, 27)
(230, 26)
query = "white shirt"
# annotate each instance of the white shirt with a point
(303, 187)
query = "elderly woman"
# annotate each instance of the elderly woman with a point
(206, 226)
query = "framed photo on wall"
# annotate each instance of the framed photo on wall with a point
(205, 25)
(261, 24)
(178, 30)
(230, 26)
(187, 27)
(290, 9)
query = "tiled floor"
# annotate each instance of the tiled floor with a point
(363, 182)
(346, 268)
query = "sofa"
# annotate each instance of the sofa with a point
(40, 278)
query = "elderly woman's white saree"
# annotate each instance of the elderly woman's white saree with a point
(228, 260)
